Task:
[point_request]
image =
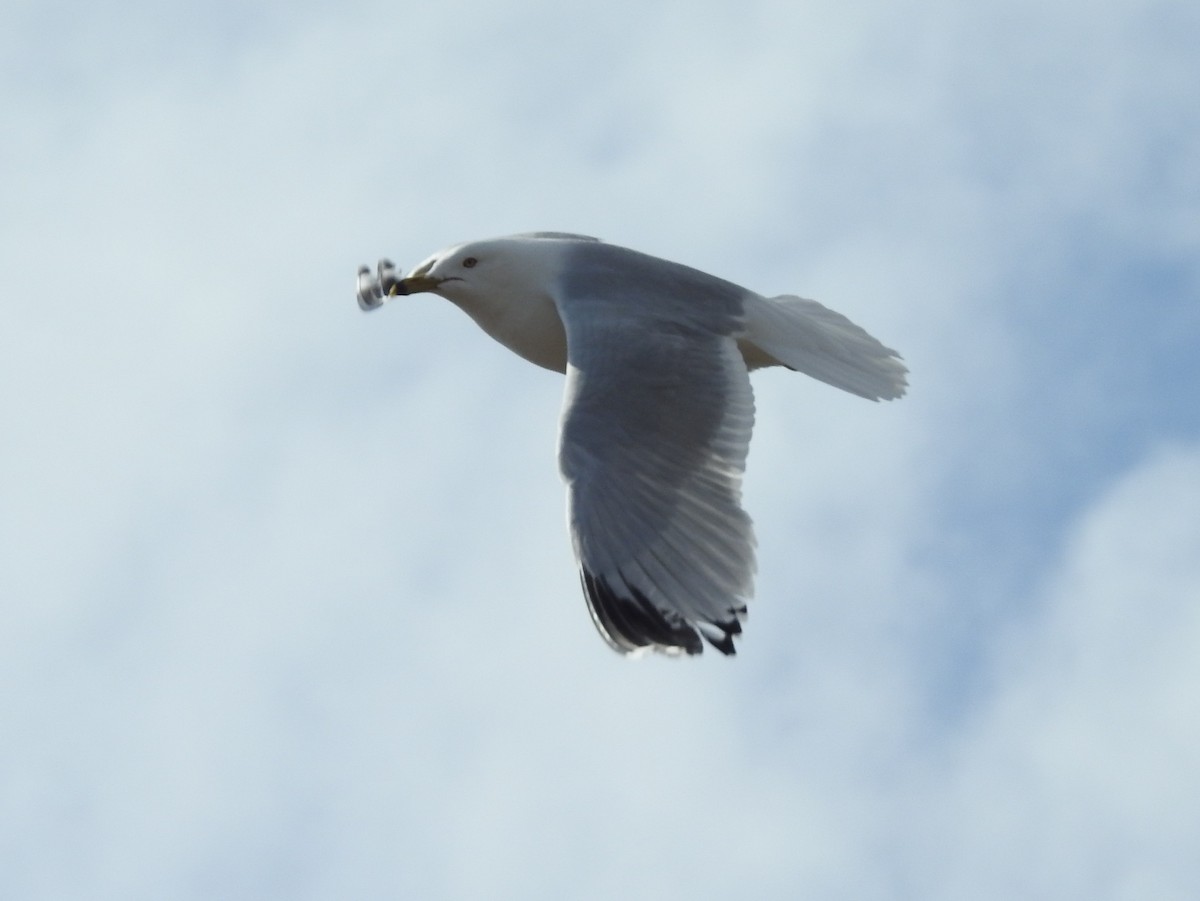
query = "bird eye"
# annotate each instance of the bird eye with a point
(469, 263)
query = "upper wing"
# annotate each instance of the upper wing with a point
(656, 426)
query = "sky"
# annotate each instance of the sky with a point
(287, 604)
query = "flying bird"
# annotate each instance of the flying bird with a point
(657, 411)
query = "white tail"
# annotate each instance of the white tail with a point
(810, 338)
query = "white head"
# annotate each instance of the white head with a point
(482, 274)
(507, 286)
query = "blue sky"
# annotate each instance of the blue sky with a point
(287, 607)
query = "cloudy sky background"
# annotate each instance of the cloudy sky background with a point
(287, 608)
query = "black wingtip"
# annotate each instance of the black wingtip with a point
(628, 621)
(722, 638)
(724, 644)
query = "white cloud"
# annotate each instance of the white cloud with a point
(286, 602)
(1075, 777)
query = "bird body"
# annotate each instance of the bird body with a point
(657, 411)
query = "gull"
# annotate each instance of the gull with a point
(657, 411)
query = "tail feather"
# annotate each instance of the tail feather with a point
(810, 338)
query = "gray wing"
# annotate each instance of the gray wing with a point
(656, 426)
